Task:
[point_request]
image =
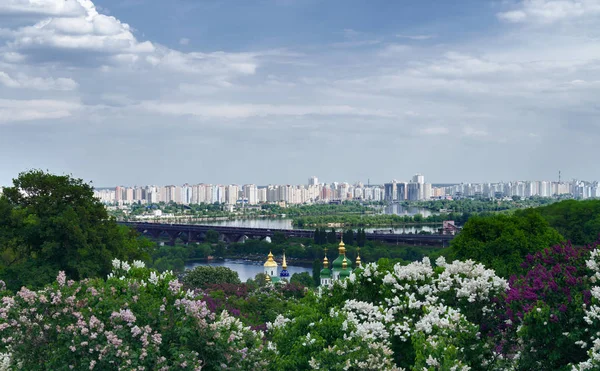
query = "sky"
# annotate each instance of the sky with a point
(136, 92)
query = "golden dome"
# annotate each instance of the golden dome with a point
(325, 260)
(270, 262)
(358, 264)
(284, 265)
(268, 278)
(342, 247)
(344, 263)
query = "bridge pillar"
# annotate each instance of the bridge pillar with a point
(172, 237)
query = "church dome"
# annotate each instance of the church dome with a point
(337, 263)
(270, 262)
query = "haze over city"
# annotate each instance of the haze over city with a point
(148, 92)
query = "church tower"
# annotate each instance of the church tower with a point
(325, 275)
(284, 275)
(271, 266)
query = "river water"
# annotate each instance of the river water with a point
(285, 223)
(246, 269)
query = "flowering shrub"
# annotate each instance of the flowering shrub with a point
(592, 318)
(413, 315)
(136, 319)
(545, 308)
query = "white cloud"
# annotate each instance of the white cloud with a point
(70, 8)
(550, 11)
(184, 41)
(435, 130)
(416, 37)
(236, 111)
(37, 83)
(12, 110)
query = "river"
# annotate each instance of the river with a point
(246, 269)
(286, 223)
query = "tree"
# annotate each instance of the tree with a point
(316, 272)
(501, 242)
(279, 238)
(331, 237)
(361, 237)
(317, 236)
(303, 279)
(50, 223)
(212, 236)
(204, 276)
(349, 237)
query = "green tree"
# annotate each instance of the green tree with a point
(331, 237)
(53, 222)
(349, 237)
(303, 278)
(577, 221)
(501, 242)
(204, 276)
(279, 238)
(212, 236)
(316, 272)
(361, 237)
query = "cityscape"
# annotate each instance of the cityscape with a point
(314, 191)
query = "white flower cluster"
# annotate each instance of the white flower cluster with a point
(368, 319)
(592, 316)
(280, 321)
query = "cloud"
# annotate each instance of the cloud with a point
(416, 37)
(436, 130)
(68, 8)
(236, 111)
(184, 41)
(550, 11)
(23, 81)
(12, 110)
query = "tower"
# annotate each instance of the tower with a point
(271, 266)
(345, 272)
(358, 262)
(337, 265)
(284, 275)
(325, 275)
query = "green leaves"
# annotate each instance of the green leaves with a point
(53, 223)
(501, 242)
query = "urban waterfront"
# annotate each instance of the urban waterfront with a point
(245, 269)
(286, 223)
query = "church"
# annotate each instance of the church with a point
(272, 270)
(341, 268)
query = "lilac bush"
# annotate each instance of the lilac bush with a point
(543, 319)
(136, 319)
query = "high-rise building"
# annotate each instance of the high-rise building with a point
(251, 194)
(313, 180)
(418, 178)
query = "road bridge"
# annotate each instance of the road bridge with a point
(197, 233)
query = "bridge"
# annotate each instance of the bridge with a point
(197, 233)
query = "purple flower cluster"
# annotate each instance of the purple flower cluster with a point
(555, 276)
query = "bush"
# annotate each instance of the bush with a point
(203, 276)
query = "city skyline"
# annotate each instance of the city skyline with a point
(314, 191)
(142, 92)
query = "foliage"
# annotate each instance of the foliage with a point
(577, 221)
(353, 220)
(304, 279)
(212, 236)
(415, 316)
(545, 307)
(501, 242)
(50, 223)
(481, 205)
(203, 276)
(135, 318)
